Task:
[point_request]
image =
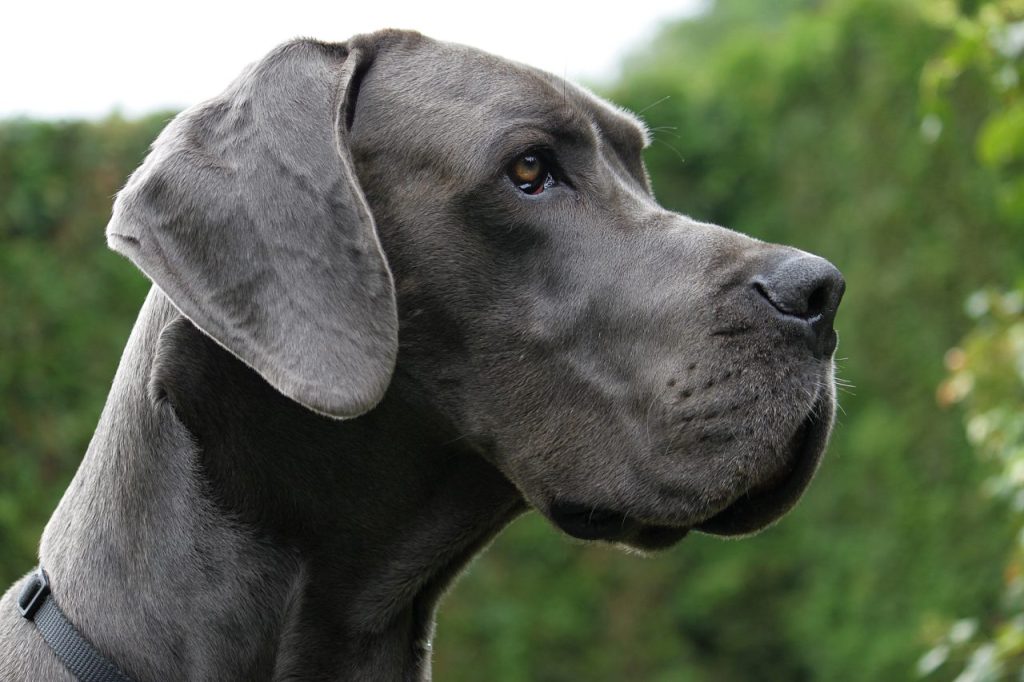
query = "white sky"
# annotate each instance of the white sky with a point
(89, 57)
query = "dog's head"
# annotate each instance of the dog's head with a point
(633, 372)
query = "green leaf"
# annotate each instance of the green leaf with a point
(1001, 140)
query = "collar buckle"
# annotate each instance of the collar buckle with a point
(34, 594)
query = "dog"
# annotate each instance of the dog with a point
(404, 291)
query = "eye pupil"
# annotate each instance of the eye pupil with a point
(528, 168)
(530, 174)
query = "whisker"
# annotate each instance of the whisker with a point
(654, 104)
(677, 152)
(666, 129)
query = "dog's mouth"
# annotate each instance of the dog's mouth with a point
(593, 523)
(770, 500)
(753, 510)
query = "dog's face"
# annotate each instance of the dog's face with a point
(618, 362)
(635, 373)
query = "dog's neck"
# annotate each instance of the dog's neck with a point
(216, 530)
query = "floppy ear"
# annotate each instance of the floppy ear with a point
(247, 214)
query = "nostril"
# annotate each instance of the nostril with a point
(818, 302)
(807, 289)
(804, 286)
(761, 288)
(792, 306)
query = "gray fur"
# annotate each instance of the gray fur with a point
(334, 237)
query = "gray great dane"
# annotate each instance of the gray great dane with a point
(403, 291)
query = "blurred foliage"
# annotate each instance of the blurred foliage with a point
(987, 376)
(987, 42)
(797, 121)
(67, 305)
(987, 370)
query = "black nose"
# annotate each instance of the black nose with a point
(805, 289)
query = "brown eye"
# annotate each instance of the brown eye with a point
(530, 174)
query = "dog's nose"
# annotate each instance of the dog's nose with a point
(806, 289)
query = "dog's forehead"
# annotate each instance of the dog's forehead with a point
(426, 94)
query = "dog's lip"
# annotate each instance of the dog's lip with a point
(769, 501)
(587, 522)
(756, 509)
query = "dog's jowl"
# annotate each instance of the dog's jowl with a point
(404, 291)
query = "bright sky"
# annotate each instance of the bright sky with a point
(89, 57)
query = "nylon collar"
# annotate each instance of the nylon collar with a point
(78, 655)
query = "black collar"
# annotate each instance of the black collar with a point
(72, 649)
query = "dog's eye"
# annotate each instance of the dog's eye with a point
(530, 173)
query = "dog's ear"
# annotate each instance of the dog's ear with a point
(248, 215)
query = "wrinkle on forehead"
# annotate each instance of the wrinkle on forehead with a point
(623, 130)
(458, 101)
(615, 122)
